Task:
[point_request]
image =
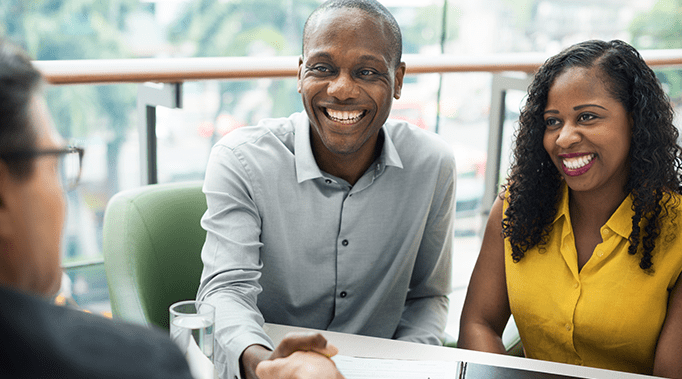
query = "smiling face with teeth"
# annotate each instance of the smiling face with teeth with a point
(348, 78)
(587, 132)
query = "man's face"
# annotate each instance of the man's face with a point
(347, 78)
(35, 207)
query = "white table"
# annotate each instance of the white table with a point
(371, 347)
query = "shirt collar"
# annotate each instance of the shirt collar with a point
(306, 166)
(562, 209)
(389, 154)
(620, 221)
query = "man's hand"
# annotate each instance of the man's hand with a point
(312, 341)
(299, 365)
(298, 355)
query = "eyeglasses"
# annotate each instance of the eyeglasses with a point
(70, 162)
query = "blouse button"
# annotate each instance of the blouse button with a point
(328, 181)
(568, 327)
(344, 242)
(576, 285)
(343, 294)
(600, 253)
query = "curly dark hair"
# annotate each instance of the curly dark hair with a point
(655, 157)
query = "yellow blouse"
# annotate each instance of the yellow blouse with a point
(609, 314)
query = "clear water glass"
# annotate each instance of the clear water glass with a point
(192, 327)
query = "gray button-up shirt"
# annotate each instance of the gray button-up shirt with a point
(289, 244)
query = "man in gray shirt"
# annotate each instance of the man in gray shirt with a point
(334, 218)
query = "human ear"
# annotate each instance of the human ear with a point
(298, 76)
(631, 124)
(399, 75)
(4, 177)
(6, 194)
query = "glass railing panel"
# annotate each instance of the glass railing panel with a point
(463, 123)
(211, 109)
(101, 118)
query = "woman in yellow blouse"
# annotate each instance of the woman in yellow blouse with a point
(584, 247)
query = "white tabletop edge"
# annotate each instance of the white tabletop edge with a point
(373, 347)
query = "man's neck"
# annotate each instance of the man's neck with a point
(349, 167)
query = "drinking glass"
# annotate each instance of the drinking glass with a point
(192, 326)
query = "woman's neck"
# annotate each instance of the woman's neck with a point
(594, 208)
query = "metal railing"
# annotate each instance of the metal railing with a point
(175, 70)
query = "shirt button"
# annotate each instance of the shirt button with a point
(328, 181)
(568, 327)
(343, 294)
(576, 285)
(606, 232)
(344, 242)
(600, 253)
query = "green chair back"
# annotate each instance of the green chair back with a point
(152, 250)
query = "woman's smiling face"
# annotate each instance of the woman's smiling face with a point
(587, 132)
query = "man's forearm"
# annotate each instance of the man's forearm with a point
(250, 358)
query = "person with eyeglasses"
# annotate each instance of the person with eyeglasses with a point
(70, 162)
(40, 339)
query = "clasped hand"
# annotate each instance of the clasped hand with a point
(300, 356)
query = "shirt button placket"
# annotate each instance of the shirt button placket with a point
(343, 294)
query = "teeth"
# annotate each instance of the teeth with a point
(578, 162)
(344, 117)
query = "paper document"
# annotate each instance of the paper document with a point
(376, 368)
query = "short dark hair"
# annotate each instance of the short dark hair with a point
(655, 156)
(19, 82)
(371, 7)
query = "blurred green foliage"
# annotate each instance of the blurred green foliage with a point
(77, 29)
(425, 27)
(214, 28)
(661, 28)
(73, 29)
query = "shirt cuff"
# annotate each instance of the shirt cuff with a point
(227, 357)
